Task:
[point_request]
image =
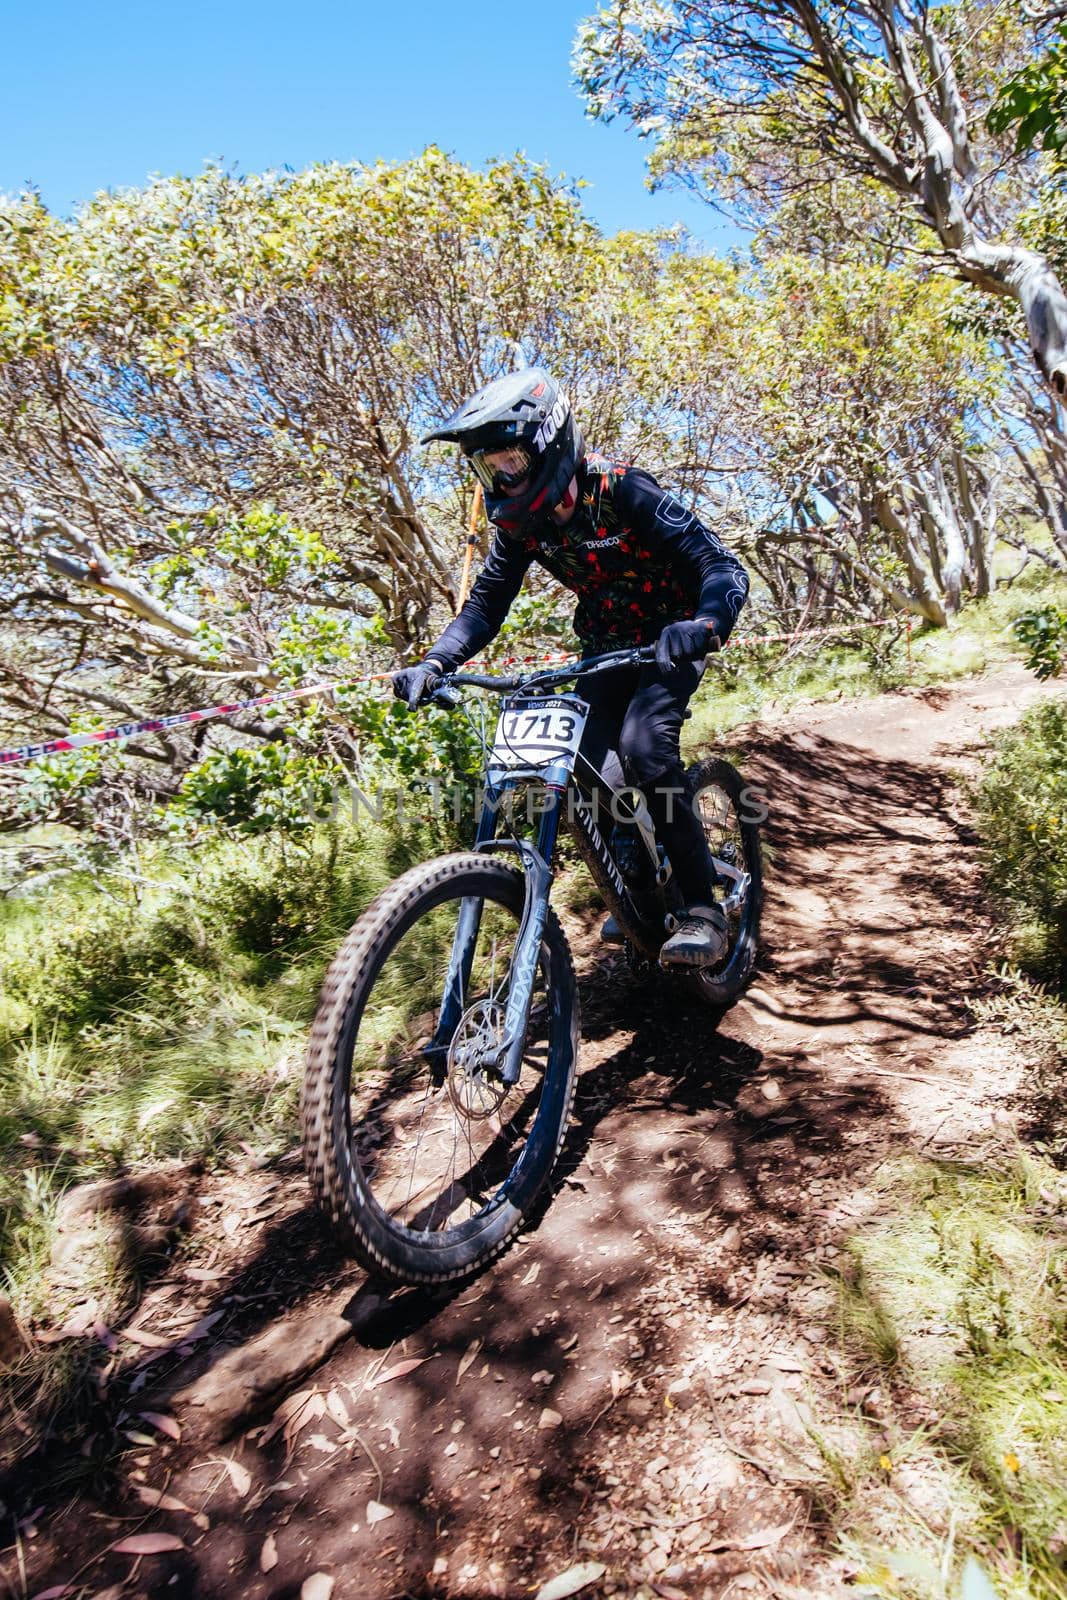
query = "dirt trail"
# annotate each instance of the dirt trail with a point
(627, 1385)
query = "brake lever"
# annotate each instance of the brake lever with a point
(630, 658)
(445, 697)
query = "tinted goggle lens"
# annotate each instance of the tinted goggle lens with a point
(500, 470)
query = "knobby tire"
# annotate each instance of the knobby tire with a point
(384, 1245)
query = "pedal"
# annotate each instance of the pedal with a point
(738, 894)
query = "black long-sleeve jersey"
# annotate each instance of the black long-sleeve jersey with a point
(632, 553)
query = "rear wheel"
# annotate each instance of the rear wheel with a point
(730, 814)
(423, 1158)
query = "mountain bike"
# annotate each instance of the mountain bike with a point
(441, 1065)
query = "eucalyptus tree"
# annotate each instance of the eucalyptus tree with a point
(860, 108)
(211, 392)
(832, 421)
(1030, 429)
(868, 404)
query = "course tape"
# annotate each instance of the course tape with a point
(739, 641)
(179, 719)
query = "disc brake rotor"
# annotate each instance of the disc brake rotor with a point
(475, 1087)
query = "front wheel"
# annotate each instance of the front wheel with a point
(424, 1160)
(730, 813)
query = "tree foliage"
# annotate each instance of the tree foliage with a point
(775, 101)
(212, 391)
(868, 416)
(180, 355)
(1033, 101)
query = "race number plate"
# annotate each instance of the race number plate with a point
(538, 736)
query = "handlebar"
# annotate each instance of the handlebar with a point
(612, 662)
(445, 694)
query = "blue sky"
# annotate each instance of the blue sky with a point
(99, 96)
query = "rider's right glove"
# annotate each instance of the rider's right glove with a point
(416, 684)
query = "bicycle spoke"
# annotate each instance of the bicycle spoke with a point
(435, 1148)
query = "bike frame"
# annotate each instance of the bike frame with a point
(537, 860)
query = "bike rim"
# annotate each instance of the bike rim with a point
(436, 1137)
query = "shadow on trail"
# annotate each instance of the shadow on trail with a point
(671, 1140)
(502, 1427)
(820, 791)
(888, 827)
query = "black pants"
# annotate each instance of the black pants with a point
(639, 714)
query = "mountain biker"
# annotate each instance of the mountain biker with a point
(645, 571)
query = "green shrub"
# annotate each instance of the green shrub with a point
(410, 747)
(282, 904)
(1044, 634)
(256, 791)
(1022, 814)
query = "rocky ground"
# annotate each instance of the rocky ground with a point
(622, 1400)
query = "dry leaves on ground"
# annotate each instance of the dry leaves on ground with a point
(293, 1414)
(571, 1581)
(401, 1370)
(318, 1587)
(164, 1424)
(160, 1501)
(240, 1476)
(147, 1544)
(471, 1351)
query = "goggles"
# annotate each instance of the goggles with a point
(502, 471)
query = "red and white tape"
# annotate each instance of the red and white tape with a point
(127, 730)
(738, 641)
(179, 719)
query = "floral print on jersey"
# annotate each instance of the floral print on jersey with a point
(626, 594)
(635, 556)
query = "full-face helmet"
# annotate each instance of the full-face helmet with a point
(520, 437)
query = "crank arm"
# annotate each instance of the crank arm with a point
(741, 882)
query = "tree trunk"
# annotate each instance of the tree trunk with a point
(944, 185)
(1027, 278)
(924, 599)
(948, 537)
(981, 528)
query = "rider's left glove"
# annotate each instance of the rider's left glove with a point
(416, 684)
(685, 641)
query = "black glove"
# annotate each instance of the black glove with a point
(416, 684)
(685, 641)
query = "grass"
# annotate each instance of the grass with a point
(763, 680)
(1038, 1016)
(166, 1022)
(954, 1307)
(1021, 811)
(163, 1014)
(948, 1481)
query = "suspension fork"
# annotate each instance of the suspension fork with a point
(537, 860)
(461, 959)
